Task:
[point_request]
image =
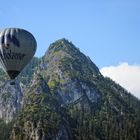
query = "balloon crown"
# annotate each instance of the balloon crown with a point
(9, 38)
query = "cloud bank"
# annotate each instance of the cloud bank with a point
(128, 76)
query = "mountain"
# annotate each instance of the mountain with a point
(63, 96)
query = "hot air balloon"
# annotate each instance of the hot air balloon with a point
(17, 47)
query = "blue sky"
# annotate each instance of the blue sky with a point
(108, 31)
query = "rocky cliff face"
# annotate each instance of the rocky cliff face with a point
(41, 117)
(66, 98)
(10, 100)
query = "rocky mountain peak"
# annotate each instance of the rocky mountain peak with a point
(63, 57)
(64, 51)
(69, 72)
(62, 44)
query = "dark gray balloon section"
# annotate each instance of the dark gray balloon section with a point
(17, 47)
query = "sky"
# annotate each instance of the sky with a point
(128, 76)
(108, 31)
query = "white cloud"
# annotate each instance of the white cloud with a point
(126, 75)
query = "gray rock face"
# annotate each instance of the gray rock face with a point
(10, 100)
(73, 90)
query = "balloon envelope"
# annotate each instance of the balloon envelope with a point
(17, 47)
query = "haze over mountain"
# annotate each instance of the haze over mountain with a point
(63, 96)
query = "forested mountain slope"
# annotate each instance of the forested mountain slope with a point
(63, 96)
